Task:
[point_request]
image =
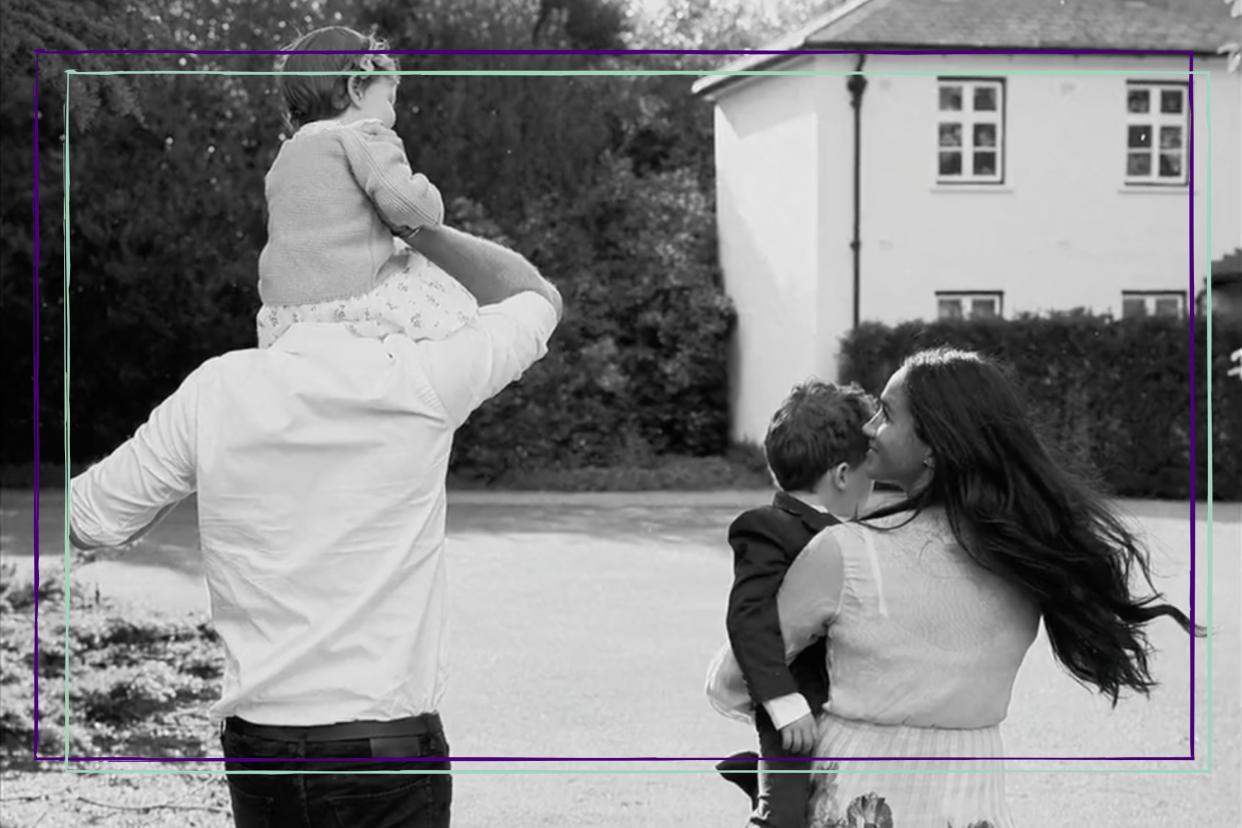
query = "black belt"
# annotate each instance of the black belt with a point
(345, 731)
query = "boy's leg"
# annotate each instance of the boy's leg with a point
(782, 796)
(740, 769)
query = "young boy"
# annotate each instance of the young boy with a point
(814, 447)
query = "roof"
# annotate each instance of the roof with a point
(1199, 26)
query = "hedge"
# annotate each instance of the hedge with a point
(1114, 393)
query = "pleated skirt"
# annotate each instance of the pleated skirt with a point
(931, 778)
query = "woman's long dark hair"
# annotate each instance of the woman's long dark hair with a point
(1022, 515)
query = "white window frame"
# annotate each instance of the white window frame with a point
(968, 117)
(1149, 298)
(966, 300)
(1156, 121)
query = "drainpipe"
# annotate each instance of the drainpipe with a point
(856, 85)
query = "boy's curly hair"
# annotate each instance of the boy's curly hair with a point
(817, 427)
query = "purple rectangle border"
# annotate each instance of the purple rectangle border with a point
(36, 305)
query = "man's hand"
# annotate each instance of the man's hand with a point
(799, 736)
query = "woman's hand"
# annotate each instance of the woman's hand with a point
(799, 735)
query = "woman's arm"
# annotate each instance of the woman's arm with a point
(810, 595)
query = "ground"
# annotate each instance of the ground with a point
(582, 625)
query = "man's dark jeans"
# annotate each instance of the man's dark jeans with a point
(331, 800)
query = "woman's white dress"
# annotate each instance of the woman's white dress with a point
(923, 649)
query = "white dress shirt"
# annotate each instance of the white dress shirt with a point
(320, 467)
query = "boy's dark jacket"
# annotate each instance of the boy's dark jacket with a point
(765, 542)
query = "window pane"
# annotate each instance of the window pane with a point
(1138, 163)
(950, 309)
(982, 308)
(950, 98)
(985, 135)
(1139, 136)
(1170, 165)
(985, 163)
(1170, 137)
(1168, 306)
(1171, 100)
(1138, 100)
(950, 135)
(950, 163)
(1133, 306)
(985, 98)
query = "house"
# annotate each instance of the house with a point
(879, 180)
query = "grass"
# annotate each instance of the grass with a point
(734, 470)
(741, 467)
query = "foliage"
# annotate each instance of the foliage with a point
(605, 182)
(139, 685)
(635, 369)
(740, 467)
(1114, 393)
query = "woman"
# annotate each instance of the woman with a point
(929, 605)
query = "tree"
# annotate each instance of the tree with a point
(607, 183)
(31, 25)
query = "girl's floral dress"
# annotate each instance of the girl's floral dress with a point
(420, 301)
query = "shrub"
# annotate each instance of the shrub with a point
(637, 368)
(1115, 393)
(138, 685)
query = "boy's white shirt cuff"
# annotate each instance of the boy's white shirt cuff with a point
(785, 710)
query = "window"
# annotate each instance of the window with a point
(970, 131)
(1138, 303)
(960, 304)
(1156, 133)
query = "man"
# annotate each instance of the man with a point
(320, 469)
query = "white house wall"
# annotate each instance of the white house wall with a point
(769, 183)
(1063, 230)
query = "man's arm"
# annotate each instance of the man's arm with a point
(119, 498)
(490, 272)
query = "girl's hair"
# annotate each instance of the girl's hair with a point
(316, 97)
(1022, 515)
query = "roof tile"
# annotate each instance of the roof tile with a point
(1175, 25)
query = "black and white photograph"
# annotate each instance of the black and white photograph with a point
(619, 413)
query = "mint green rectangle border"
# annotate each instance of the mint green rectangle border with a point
(1207, 769)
